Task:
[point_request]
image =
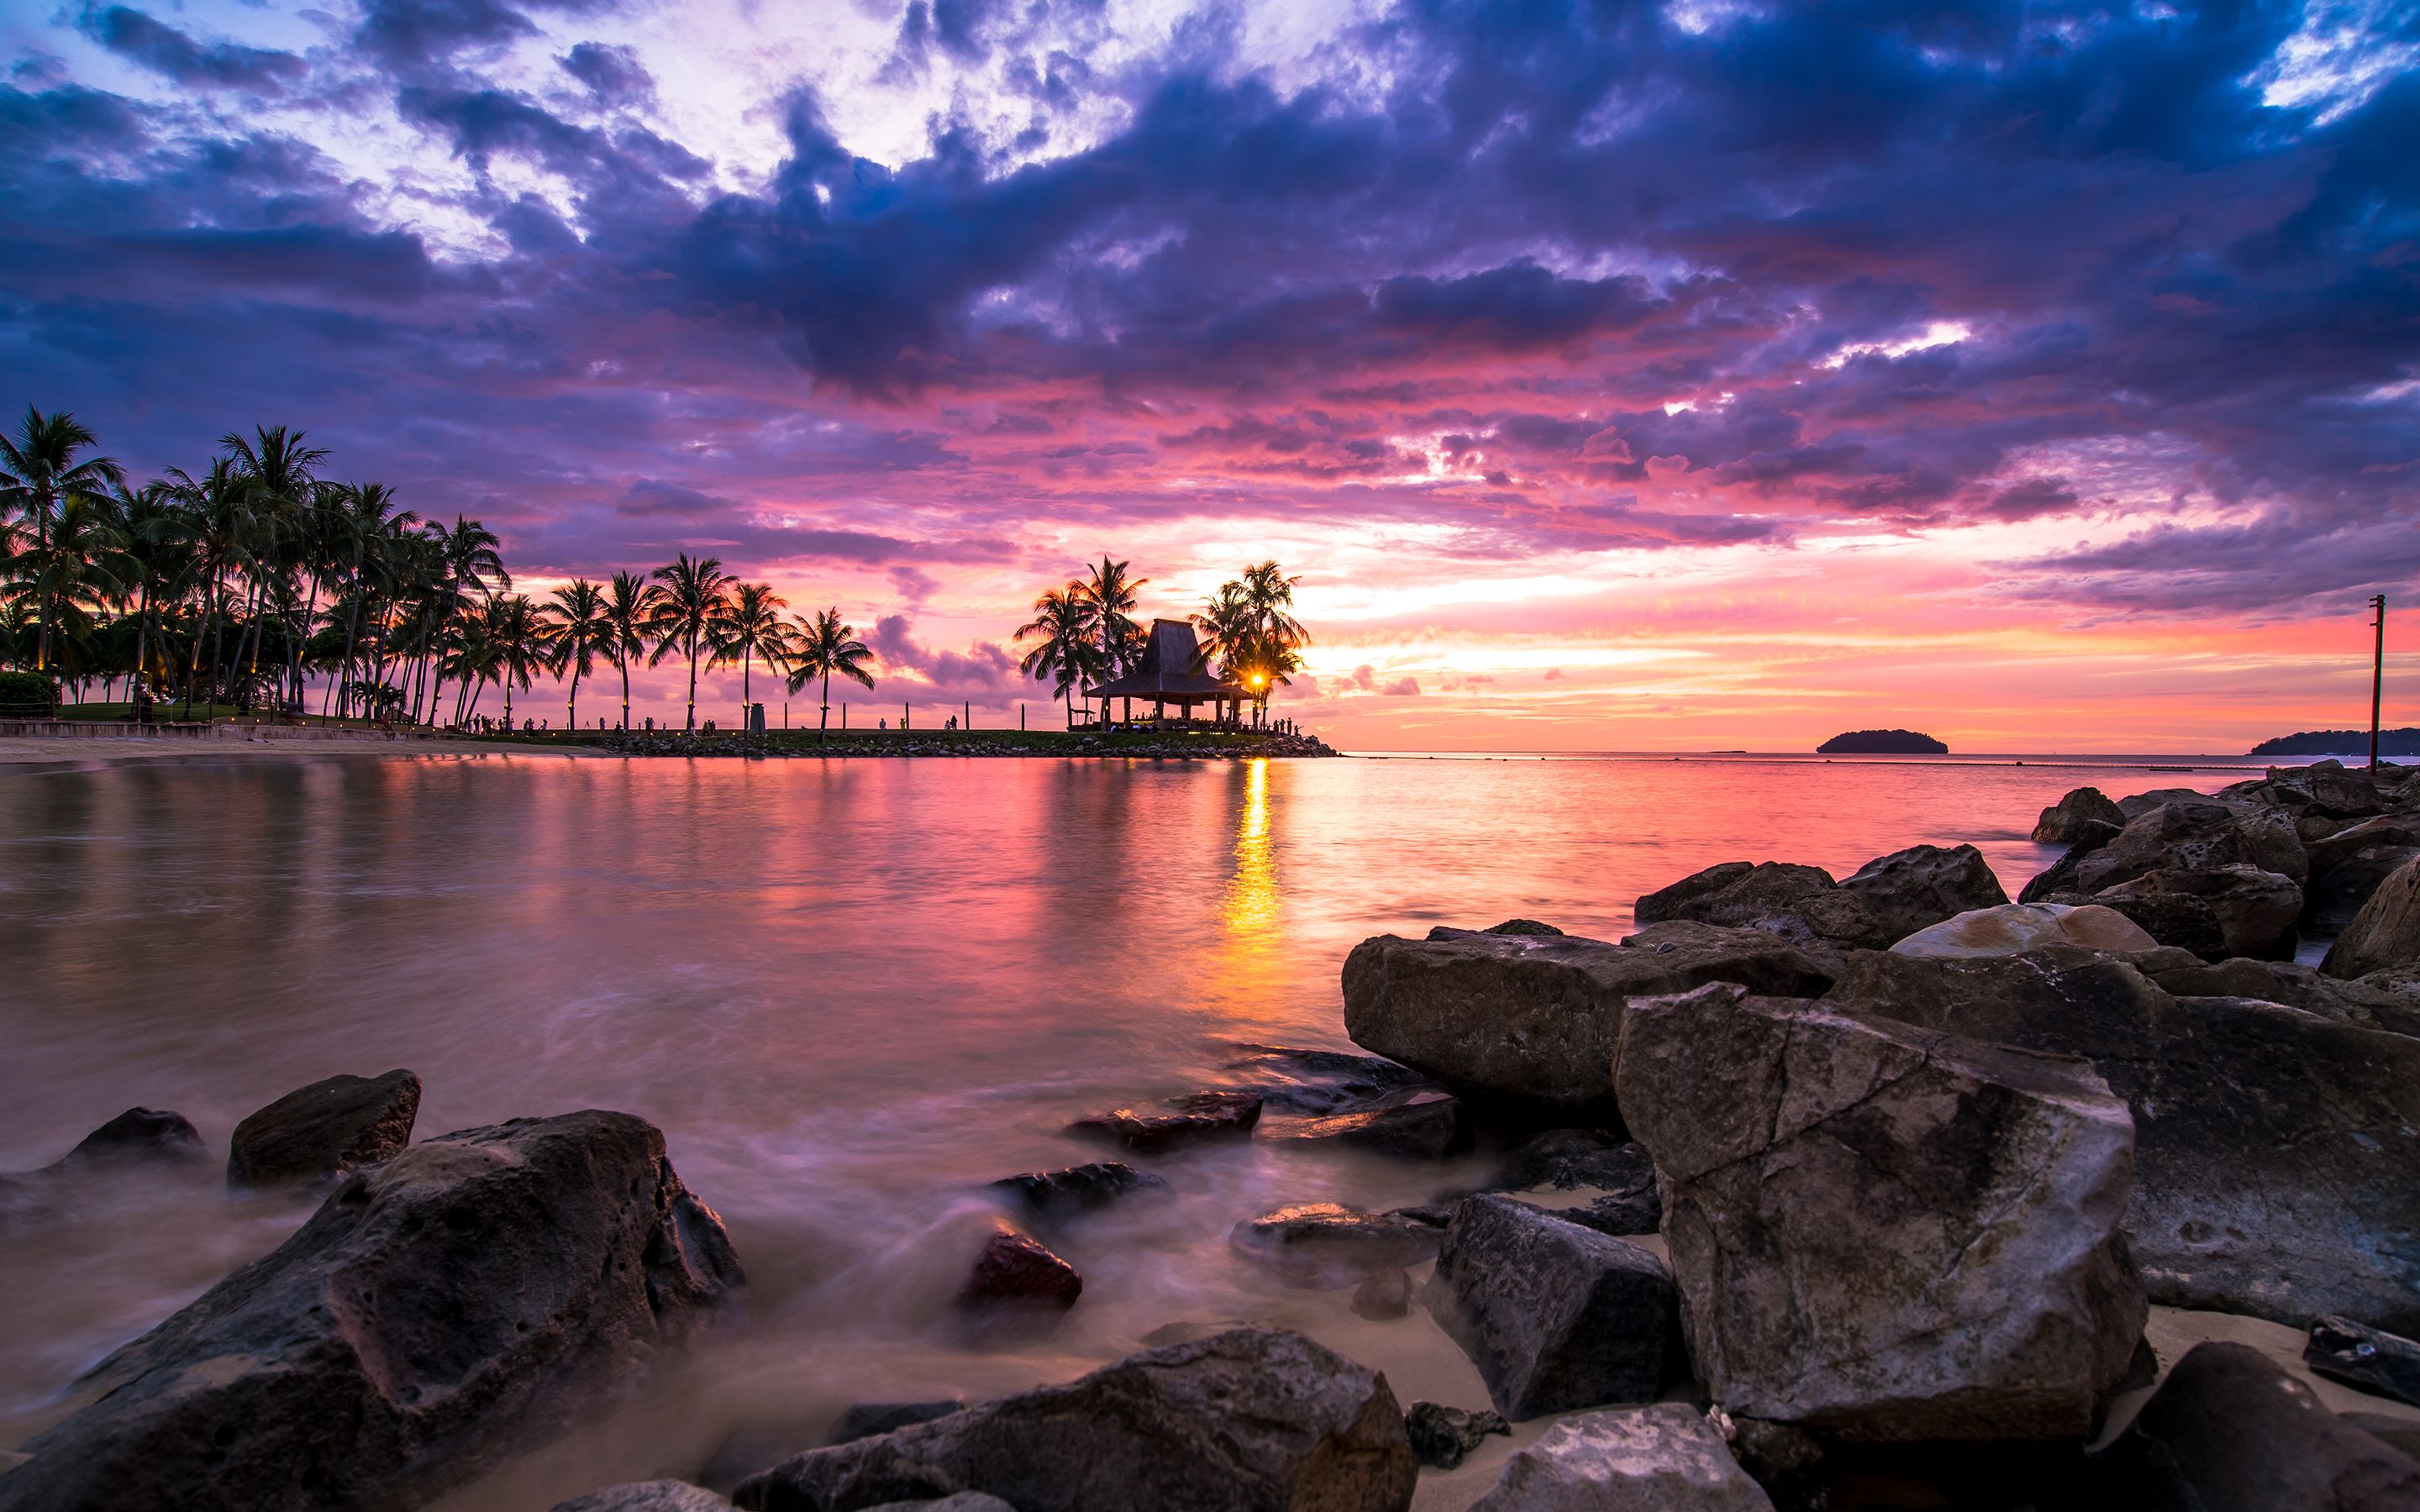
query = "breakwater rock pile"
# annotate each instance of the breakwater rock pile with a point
(1124, 745)
(1813, 1192)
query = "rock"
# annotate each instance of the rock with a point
(467, 1296)
(1567, 1159)
(2227, 1214)
(2395, 1432)
(1920, 887)
(1442, 1437)
(1553, 1315)
(2176, 920)
(1533, 1022)
(866, 1419)
(1425, 1126)
(2084, 817)
(1018, 1288)
(2256, 911)
(2014, 929)
(2371, 1005)
(1522, 926)
(962, 1502)
(1666, 1458)
(1320, 1246)
(1202, 1116)
(1076, 1189)
(1324, 1081)
(2135, 806)
(2387, 831)
(325, 1129)
(1248, 1420)
(2231, 1431)
(2374, 1361)
(2338, 893)
(2386, 932)
(1881, 1230)
(1799, 904)
(1787, 1462)
(2194, 835)
(648, 1496)
(1637, 1210)
(137, 1135)
(1384, 1296)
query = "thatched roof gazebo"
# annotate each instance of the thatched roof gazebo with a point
(1166, 674)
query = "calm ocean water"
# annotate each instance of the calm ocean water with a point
(849, 992)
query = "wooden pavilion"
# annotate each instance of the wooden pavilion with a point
(1166, 673)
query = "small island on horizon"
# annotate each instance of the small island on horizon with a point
(1882, 743)
(2403, 742)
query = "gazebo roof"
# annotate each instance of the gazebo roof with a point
(1166, 672)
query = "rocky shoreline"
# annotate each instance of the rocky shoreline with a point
(1813, 1192)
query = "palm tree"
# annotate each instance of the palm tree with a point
(1247, 625)
(691, 599)
(39, 472)
(751, 626)
(281, 472)
(822, 646)
(369, 524)
(468, 561)
(517, 642)
(79, 563)
(577, 631)
(157, 536)
(1066, 628)
(1111, 593)
(629, 608)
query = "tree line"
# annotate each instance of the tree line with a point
(234, 584)
(1084, 632)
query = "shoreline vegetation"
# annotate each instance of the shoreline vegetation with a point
(1808, 1186)
(263, 583)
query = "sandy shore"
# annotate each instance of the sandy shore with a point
(72, 752)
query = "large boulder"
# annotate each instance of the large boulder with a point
(2336, 894)
(2369, 1003)
(1241, 1421)
(2277, 1151)
(2256, 911)
(646, 1496)
(2086, 817)
(2370, 1358)
(1016, 1288)
(2386, 831)
(2015, 929)
(1532, 1021)
(1556, 1316)
(470, 1294)
(1799, 904)
(1883, 1230)
(2176, 919)
(2386, 932)
(2194, 836)
(1568, 1158)
(1666, 1458)
(2230, 1431)
(333, 1126)
(1911, 890)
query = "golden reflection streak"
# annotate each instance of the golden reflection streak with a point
(1251, 906)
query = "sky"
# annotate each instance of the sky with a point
(1615, 377)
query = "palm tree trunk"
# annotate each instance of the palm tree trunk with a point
(571, 708)
(623, 660)
(692, 726)
(824, 720)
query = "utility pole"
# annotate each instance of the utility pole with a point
(2377, 676)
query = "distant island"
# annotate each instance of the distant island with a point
(1882, 743)
(2403, 742)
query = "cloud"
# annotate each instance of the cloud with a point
(169, 53)
(982, 669)
(1402, 687)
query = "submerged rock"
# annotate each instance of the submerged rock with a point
(1637, 1210)
(1883, 1232)
(1533, 1022)
(1323, 1245)
(1248, 1420)
(2369, 1358)
(1323, 1081)
(2016, 929)
(2230, 1431)
(1198, 1117)
(1384, 1296)
(137, 1135)
(1567, 1159)
(1666, 1458)
(1018, 1288)
(1076, 1189)
(2227, 1214)
(2386, 932)
(1555, 1316)
(325, 1129)
(1425, 1126)
(1442, 1437)
(472, 1293)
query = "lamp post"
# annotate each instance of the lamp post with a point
(2377, 676)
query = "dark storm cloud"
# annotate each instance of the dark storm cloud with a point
(1559, 226)
(165, 50)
